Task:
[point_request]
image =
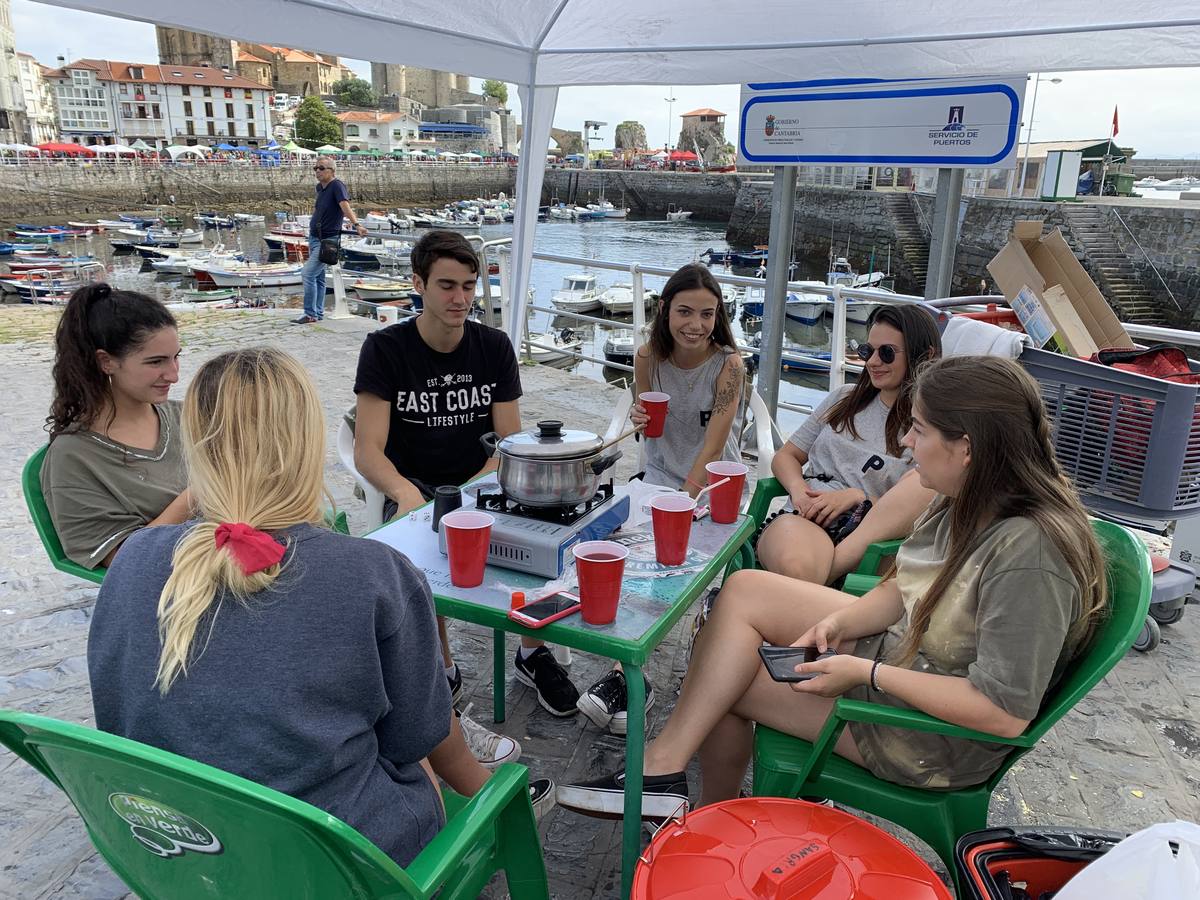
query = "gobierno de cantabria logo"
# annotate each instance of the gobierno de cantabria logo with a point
(163, 831)
(769, 128)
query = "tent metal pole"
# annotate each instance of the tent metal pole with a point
(779, 255)
(946, 204)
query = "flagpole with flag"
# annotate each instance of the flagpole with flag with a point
(1112, 133)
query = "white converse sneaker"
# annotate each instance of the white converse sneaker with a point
(489, 748)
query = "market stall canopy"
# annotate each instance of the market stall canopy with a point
(19, 148)
(69, 149)
(227, 147)
(114, 149)
(293, 147)
(683, 156)
(139, 144)
(177, 150)
(329, 148)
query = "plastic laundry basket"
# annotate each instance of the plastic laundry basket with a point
(1130, 443)
(766, 848)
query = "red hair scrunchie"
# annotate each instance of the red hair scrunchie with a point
(252, 550)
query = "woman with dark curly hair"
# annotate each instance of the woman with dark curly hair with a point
(115, 461)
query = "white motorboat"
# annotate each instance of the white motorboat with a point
(250, 275)
(556, 347)
(180, 263)
(618, 299)
(730, 295)
(387, 252)
(577, 294)
(674, 214)
(380, 290)
(165, 236)
(566, 213)
(618, 347)
(609, 211)
(249, 217)
(808, 307)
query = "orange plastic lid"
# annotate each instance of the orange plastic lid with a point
(765, 848)
(1158, 563)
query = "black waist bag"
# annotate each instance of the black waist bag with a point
(330, 252)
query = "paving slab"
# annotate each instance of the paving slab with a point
(1128, 756)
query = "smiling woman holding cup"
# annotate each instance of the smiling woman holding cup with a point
(689, 380)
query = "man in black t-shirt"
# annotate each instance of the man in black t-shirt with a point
(427, 389)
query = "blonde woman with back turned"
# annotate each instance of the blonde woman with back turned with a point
(270, 663)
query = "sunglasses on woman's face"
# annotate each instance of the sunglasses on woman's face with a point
(318, 168)
(887, 353)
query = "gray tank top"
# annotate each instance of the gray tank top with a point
(669, 458)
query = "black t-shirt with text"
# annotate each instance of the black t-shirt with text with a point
(441, 402)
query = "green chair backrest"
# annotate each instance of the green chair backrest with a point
(174, 828)
(1127, 564)
(31, 485)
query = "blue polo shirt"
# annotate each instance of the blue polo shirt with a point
(327, 212)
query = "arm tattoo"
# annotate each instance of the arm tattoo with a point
(727, 390)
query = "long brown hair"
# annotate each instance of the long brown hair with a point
(921, 343)
(693, 276)
(96, 318)
(1013, 472)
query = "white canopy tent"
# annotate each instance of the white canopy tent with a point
(114, 149)
(177, 150)
(541, 45)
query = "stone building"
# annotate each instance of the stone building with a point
(429, 87)
(40, 108)
(14, 126)
(703, 133)
(179, 47)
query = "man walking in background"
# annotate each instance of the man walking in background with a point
(332, 205)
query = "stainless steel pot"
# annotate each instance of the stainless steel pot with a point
(550, 466)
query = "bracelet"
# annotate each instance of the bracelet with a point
(874, 679)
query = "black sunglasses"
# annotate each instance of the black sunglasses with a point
(887, 353)
(319, 168)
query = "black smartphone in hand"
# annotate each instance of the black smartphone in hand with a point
(781, 662)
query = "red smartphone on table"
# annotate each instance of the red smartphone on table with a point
(546, 610)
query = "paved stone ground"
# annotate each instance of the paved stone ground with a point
(1127, 757)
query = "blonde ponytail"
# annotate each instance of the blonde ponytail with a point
(254, 438)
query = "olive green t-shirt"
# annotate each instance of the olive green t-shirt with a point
(99, 490)
(1002, 624)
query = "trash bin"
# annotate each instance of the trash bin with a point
(766, 848)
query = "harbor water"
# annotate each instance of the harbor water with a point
(655, 243)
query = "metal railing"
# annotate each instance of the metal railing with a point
(1146, 256)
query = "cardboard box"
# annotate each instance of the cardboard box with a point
(1046, 268)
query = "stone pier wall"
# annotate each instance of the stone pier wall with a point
(648, 195)
(1167, 240)
(30, 192)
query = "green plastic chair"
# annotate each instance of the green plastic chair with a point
(35, 500)
(175, 829)
(31, 485)
(785, 766)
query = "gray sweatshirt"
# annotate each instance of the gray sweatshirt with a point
(327, 686)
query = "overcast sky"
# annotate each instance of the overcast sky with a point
(1157, 106)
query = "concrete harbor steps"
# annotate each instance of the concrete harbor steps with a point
(1127, 756)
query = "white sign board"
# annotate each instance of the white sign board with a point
(960, 123)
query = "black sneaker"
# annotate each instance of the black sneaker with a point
(455, 681)
(606, 702)
(305, 320)
(542, 672)
(663, 796)
(541, 795)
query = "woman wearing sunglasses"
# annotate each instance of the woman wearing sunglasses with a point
(843, 467)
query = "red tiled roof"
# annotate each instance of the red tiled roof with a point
(705, 111)
(107, 70)
(364, 116)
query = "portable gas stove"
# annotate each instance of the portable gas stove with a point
(537, 539)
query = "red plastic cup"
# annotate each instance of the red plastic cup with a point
(600, 566)
(468, 533)
(725, 501)
(671, 519)
(655, 403)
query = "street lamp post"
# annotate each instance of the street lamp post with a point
(1029, 134)
(670, 102)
